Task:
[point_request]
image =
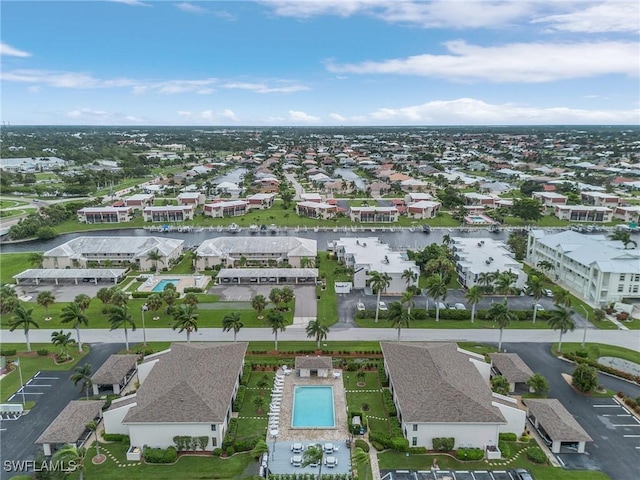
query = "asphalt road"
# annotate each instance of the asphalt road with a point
(611, 452)
(17, 437)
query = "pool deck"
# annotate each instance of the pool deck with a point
(280, 457)
(184, 281)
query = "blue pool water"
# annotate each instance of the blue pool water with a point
(162, 283)
(313, 407)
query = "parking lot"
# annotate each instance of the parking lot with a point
(36, 386)
(64, 291)
(449, 475)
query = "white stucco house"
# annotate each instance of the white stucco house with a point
(187, 390)
(441, 390)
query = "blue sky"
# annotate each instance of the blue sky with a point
(325, 62)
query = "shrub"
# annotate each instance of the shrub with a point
(192, 290)
(508, 437)
(469, 454)
(43, 352)
(378, 446)
(585, 378)
(443, 444)
(536, 455)
(400, 444)
(417, 450)
(362, 444)
(388, 403)
(160, 455)
(237, 403)
(230, 451)
(116, 437)
(231, 434)
(8, 352)
(217, 452)
(246, 444)
(505, 449)
(382, 375)
(141, 294)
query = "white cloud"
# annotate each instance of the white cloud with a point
(229, 114)
(337, 117)
(469, 111)
(101, 117)
(611, 16)
(208, 115)
(9, 51)
(262, 88)
(34, 89)
(191, 8)
(517, 62)
(302, 117)
(133, 3)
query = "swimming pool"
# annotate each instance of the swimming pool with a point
(313, 407)
(162, 283)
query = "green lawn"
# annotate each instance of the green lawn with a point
(358, 399)
(15, 213)
(184, 267)
(398, 460)
(31, 365)
(11, 264)
(187, 467)
(328, 302)
(479, 348)
(12, 203)
(601, 350)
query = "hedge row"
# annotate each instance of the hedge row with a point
(632, 403)
(382, 441)
(160, 455)
(388, 403)
(508, 437)
(8, 352)
(231, 434)
(603, 368)
(443, 444)
(237, 403)
(362, 444)
(536, 455)
(116, 437)
(469, 454)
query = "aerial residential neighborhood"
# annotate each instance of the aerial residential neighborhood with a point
(328, 240)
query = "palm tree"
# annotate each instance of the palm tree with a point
(258, 402)
(362, 460)
(473, 296)
(485, 279)
(22, 318)
(560, 319)
(232, 321)
(562, 297)
(504, 282)
(93, 426)
(45, 299)
(624, 237)
(275, 320)
(156, 257)
(407, 299)
(535, 288)
(437, 289)
(74, 315)
(379, 282)
(314, 454)
(82, 376)
(307, 262)
(8, 299)
(398, 317)
(105, 294)
(154, 302)
(83, 301)
(545, 265)
(72, 455)
(62, 340)
(259, 303)
(315, 329)
(275, 295)
(120, 317)
(191, 299)
(501, 314)
(446, 239)
(409, 276)
(36, 259)
(118, 297)
(287, 295)
(186, 319)
(170, 296)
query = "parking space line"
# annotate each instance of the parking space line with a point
(48, 378)
(627, 425)
(631, 436)
(607, 405)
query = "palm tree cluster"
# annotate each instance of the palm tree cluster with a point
(502, 283)
(281, 297)
(379, 283)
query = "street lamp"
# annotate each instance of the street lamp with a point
(586, 322)
(144, 308)
(274, 434)
(17, 363)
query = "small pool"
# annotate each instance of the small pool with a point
(163, 283)
(313, 407)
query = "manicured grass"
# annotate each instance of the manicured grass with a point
(358, 397)
(398, 460)
(11, 203)
(328, 302)
(73, 225)
(30, 365)
(15, 213)
(596, 350)
(479, 348)
(184, 267)
(11, 264)
(187, 467)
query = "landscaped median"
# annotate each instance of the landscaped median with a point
(593, 353)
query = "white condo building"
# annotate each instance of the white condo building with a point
(592, 267)
(484, 255)
(367, 254)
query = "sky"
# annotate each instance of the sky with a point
(320, 63)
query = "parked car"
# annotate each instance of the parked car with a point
(522, 474)
(548, 293)
(538, 307)
(360, 306)
(451, 306)
(460, 306)
(441, 306)
(382, 306)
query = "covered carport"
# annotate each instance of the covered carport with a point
(268, 275)
(555, 424)
(115, 373)
(67, 275)
(512, 368)
(70, 426)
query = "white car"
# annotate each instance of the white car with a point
(460, 306)
(548, 293)
(382, 306)
(538, 307)
(361, 307)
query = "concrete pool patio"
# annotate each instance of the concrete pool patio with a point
(183, 281)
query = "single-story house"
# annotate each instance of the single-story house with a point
(115, 373)
(306, 366)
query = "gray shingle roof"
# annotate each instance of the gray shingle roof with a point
(556, 420)
(230, 246)
(139, 246)
(434, 382)
(313, 362)
(511, 367)
(191, 383)
(71, 422)
(114, 369)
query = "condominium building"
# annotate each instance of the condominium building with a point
(140, 201)
(319, 210)
(374, 214)
(583, 213)
(168, 213)
(191, 198)
(628, 214)
(600, 199)
(261, 201)
(231, 208)
(475, 256)
(423, 209)
(368, 254)
(592, 267)
(550, 199)
(105, 214)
